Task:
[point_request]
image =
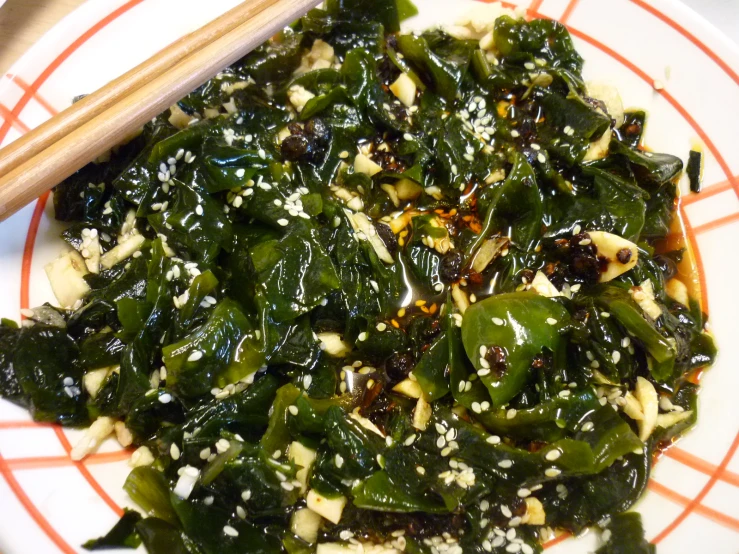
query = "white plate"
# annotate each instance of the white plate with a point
(49, 504)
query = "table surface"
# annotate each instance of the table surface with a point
(23, 22)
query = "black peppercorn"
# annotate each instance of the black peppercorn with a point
(399, 365)
(450, 267)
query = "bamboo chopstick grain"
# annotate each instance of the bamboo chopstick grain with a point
(39, 160)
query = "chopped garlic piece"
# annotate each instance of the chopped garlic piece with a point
(535, 511)
(122, 251)
(643, 295)
(621, 254)
(367, 424)
(676, 289)
(305, 523)
(404, 89)
(478, 21)
(633, 407)
(598, 148)
(299, 96)
(333, 345)
(362, 224)
(123, 434)
(608, 94)
(392, 193)
(178, 118)
(330, 508)
(362, 164)
(421, 414)
(141, 457)
(66, 278)
(304, 457)
(93, 380)
(408, 190)
(647, 397)
(409, 388)
(487, 252)
(320, 56)
(397, 224)
(673, 418)
(543, 286)
(460, 298)
(93, 437)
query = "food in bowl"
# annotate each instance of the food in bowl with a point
(375, 291)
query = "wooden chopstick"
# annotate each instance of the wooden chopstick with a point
(68, 142)
(92, 105)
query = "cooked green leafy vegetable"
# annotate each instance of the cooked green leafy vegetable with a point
(366, 286)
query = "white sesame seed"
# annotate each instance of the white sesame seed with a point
(506, 511)
(498, 321)
(199, 209)
(307, 380)
(174, 451)
(551, 321)
(541, 158)
(241, 512)
(515, 134)
(421, 470)
(338, 460)
(440, 428)
(564, 394)
(576, 230)
(552, 472)
(409, 440)
(293, 410)
(523, 492)
(165, 398)
(553, 455)
(505, 464)
(282, 222)
(230, 531)
(510, 414)
(587, 426)
(493, 439)
(476, 407)
(616, 356)
(246, 495)
(194, 356)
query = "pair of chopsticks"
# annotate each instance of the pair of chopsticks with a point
(65, 143)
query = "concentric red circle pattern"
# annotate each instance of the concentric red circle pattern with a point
(11, 119)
